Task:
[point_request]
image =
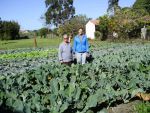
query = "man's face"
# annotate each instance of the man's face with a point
(66, 38)
(80, 31)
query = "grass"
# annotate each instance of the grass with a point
(29, 43)
(49, 42)
(143, 107)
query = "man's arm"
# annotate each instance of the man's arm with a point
(60, 53)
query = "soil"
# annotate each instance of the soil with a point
(125, 108)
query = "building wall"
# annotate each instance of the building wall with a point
(90, 30)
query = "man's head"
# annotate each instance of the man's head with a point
(80, 31)
(65, 38)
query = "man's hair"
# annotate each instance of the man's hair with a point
(65, 35)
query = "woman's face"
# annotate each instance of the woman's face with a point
(80, 31)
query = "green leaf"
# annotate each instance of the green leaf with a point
(64, 107)
(27, 108)
(70, 90)
(54, 86)
(91, 101)
(18, 106)
(78, 93)
(136, 91)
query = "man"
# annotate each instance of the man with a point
(81, 47)
(143, 33)
(65, 51)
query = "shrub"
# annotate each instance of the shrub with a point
(9, 30)
(98, 35)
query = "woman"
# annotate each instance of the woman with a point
(81, 47)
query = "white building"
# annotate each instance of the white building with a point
(90, 28)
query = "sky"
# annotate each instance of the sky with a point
(28, 12)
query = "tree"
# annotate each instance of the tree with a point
(142, 4)
(72, 26)
(54, 31)
(127, 22)
(1, 28)
(0, 23)
(103, 26)
(58, 11)
(43, 32)
(9, 30)
(113, 6)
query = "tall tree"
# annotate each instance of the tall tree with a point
(58, 11)
(142, 4)
(113, 6)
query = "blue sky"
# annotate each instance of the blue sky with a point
(28, 12)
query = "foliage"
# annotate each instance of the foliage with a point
(72, 26)
(32, 54)
(21, 60)
(113, 6)
(55, 31)
(142, 4)
(128, 22)
(98, 35)
(43, 32)
(117, 73)
(58, 11)
(9, 30)
(103, 26)
(143, 107)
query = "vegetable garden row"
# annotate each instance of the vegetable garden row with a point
(117, 73)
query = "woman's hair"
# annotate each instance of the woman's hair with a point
(83, 30)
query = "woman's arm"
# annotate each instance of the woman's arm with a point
(87, 44)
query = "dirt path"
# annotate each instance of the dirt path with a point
(125, 108)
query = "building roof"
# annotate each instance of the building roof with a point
(96, 22)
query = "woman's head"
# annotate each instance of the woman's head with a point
(80, 31)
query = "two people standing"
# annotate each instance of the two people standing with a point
(80, 49)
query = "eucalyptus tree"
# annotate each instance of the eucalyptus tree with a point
(59, 11)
